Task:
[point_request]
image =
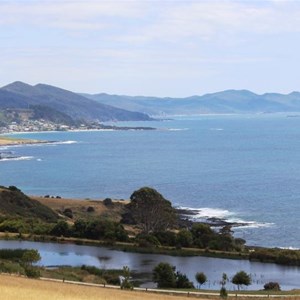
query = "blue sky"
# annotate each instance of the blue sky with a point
(155, 48)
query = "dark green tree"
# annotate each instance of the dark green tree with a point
(201, 278)
(151, 211)
(241, 278)
(62, 228)
(31, 256)
(184, 238)
(182, 281)
(164, 275)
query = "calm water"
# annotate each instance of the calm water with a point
(74, 255)
(243, 168)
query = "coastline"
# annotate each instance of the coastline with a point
(10, 141)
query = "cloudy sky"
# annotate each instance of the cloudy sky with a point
(159, 48)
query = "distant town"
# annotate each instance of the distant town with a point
(43, 125)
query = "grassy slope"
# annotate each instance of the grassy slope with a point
(15, 203)
(79, 207)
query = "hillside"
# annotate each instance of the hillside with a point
(13, 203)
(77, 107)
(229, 101)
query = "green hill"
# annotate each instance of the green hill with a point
(13, 203)
(76, 107)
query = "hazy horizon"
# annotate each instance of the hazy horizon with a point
(153, 48)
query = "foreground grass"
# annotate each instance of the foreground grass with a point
(13, 288)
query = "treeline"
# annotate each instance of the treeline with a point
(278, 256)
(198, 236)
(94, 230)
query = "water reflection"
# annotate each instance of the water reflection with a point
(102, 257)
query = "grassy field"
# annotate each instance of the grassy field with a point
(13, 288)
(80, 207)
(15, 141)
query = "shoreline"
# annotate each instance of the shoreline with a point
(10, 141)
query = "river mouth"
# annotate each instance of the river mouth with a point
(54, 254)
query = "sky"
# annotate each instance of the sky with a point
(152, 48)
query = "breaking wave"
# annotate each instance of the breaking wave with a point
(217, 215)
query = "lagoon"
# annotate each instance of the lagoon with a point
(54, 254)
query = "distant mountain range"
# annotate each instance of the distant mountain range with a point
(62, 106)
(52, 102)
(226, 102)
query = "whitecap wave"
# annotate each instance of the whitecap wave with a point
(17, 158)
(64, 143)
(207, 214)
(177, 129)
(216, 129)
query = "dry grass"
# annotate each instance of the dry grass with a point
(14, 141)
(79, 207)
(13, 288)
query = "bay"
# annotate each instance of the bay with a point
(240, 168)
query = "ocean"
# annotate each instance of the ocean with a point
(241, 168)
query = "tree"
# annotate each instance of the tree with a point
(31, 256)
(125, 283)
(241, 278)
(151, 211)
(223, 291)
(61, 229)
(201, 278)
(184, 238)
(182, 281)
(164, 275)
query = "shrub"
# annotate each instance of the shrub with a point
(68, 213)
(272, 286)
(90, 209)
(32, 272)
(108, 202)
(147, 240)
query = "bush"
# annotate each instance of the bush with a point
(11, 267)
(166, 238)
(108, 202)
(272, 286)
(68, 213)
(90, 209)
(32, 272)
(147, 240)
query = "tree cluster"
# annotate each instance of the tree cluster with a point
(94, 230)
(166, 276)
(278, 256)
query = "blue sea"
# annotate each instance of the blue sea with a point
(242, 168)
